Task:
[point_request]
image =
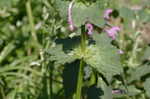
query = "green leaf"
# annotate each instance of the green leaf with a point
(146, 54)
(133, 91)
(104, 57)
(6, 51)
(82, 13)
(59, 56)
(107, 89)
(7, 3)
(138, 72)
(147, 86)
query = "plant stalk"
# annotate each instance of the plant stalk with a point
(80, 80)
(31, 19)
(80, 73)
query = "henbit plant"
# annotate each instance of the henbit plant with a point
(80, 49)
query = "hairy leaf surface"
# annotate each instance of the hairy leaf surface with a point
(104, 57)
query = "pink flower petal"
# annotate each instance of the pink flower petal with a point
(90, 28)
(70, 21)
(116, 28)
(121, 51)
(117, 91)
(112, 32)
(107, 13)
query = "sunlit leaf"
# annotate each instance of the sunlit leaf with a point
(82, 13)
(104, 57)
(138, 72)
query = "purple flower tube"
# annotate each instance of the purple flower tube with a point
(70, 21)
(112, 32)
(107, 13)
(120, 52)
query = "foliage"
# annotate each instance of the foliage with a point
(40, 58)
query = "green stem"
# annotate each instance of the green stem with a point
(50, 85)
(2, 93)
(83, 39)
(31, 20)
(80, 80)
(80, 73)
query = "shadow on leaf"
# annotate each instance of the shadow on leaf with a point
(70, 74)
(93, 92)
(69, 43)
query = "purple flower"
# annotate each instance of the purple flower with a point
(90, 28)
(70, 21)
(121, 51)
(107, 13)
(112, 32)
(118, 91)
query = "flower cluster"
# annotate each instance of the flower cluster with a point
(112, 32)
